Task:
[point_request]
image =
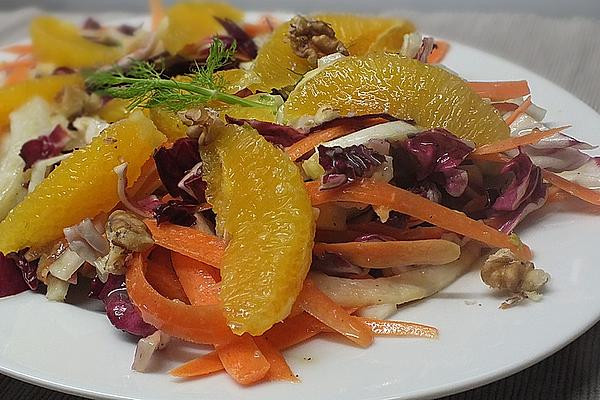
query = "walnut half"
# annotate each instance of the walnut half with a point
(313, 39)
(504, 271)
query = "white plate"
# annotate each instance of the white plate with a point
(74, 349)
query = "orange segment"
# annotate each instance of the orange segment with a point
(392, 39)
(81, 186)
(404, 88)
(168, 122)
(276, 65)
(14, 96)
(192, 22)
(263, 209)
(60, 42)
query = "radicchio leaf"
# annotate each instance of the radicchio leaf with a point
(193, 184)
(45, 146)
(174, 163)
(176, 212)
(11, 279)
(432, 156)
(28, 268)
(345, 164)
(276, 134)
(425, 49)
(121, 312)
(246, 49)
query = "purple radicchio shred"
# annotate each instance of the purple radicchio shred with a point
(45, 146)
(127, 30)
(246, 48)
(335, 265)
(176, 212)
(63, 71)
(91, 24)
(425, 50)
(432, 156)
(525, 178)
(276, 134)
(193, 184)
(346, 164)
(174, 163)
(121, 312)
(11, 278)
(28, 268)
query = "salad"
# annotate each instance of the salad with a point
(251, 185)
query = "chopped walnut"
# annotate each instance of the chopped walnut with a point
(126, 234)
(198, 120)
(503, 270)
(73, 101)
(313, 39)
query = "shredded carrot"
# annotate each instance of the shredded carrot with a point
(20, 63)
(500, 91)
(16, 75)
(243, 360)
(204, 365)
(19, 49)
(197, 278)
(338, 129)
(162, 277)
(157, 12)
(586, 194)
(265, 25)
(198, 324)
(505, 107)
(520, 110)
(188, 241)
(556, 194)
(439, 51)
(492, 157)
(395, 198)
(517, 141)
(147, 182)
(317, 304)
(280, 370)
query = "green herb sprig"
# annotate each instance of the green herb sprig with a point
(145, 87)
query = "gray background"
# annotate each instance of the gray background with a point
(557, 39)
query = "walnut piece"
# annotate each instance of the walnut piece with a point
(313, 39)
(197, 120)
(504, 271)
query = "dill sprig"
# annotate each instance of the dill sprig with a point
(145, 87)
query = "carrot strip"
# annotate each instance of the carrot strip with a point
(500, 91)
(190, 242)
(157, 13)
(243, 360)
(197, 278)
(492, 157)
(589, 195)
(16, 75)
(317, 304)
(280, 370)
(265, 25)
(162, 277)
(340, 128)
(198, 324)
(505, 107)
(399, 328)
(281, 336)
(331, 236)
(19, 49)
(440, 49)
(517, 141)
(418, 233)
(21, 63)
(520, 110)
(147, 182)
(395, 198)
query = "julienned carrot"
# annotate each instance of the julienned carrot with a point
(146, 183)
(162, 277)
(317, 304)
(492, 157)
(440, 49)
(399, 328)
(285, 334)
(188, 241)
(243, 360)
(20, 63)
(403, 201)
(338, 129)
(197, 278)
(393, 253)
(520, 110)
(586, 194)
(517, 141)
(265, 25)
(505, 107)
(279, 370)
(500, 91)
(16, 75)
(198, 324)
(157, 13)
(19, 49)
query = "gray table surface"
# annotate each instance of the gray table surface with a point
(564, 50)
